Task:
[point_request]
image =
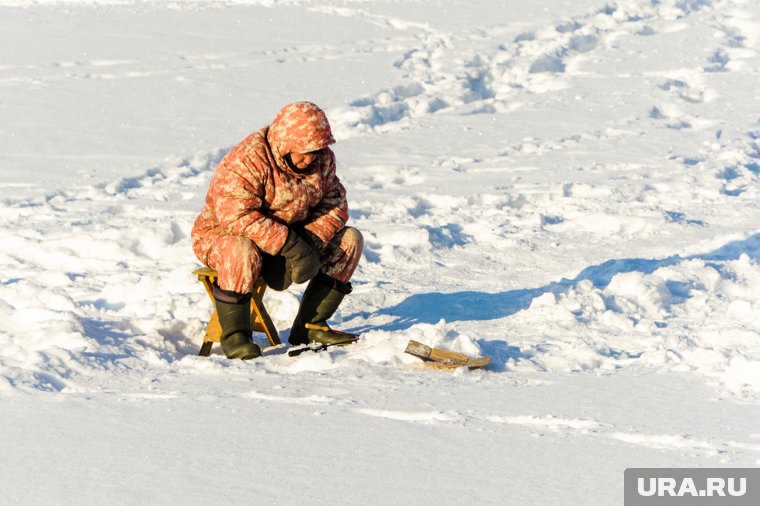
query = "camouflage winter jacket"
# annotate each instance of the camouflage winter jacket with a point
(256, 194)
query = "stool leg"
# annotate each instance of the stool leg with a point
(205, 349)
(259, 316)
(213, 329)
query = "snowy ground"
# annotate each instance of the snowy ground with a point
(569, 187)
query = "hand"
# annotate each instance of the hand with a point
(300, 258)
(311, 238)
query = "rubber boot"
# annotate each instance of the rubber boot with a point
(320, 300)
(234, 312)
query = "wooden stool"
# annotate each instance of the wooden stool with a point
(260, 320)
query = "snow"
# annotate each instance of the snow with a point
(568, 187)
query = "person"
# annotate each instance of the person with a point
(276, 208)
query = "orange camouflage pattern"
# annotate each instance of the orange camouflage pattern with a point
(255, 197)
(238, 261)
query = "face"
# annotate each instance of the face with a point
(303, 160)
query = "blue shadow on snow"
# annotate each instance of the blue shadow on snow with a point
(471, 305)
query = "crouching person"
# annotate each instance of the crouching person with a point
(276, 208)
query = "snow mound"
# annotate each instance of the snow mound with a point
(695, 315)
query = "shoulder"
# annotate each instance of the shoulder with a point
(327, 162)
(252, 153)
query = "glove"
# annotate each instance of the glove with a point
(311, 238)
(300, 258)
(276, 272)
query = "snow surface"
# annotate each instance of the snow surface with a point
(569, 187)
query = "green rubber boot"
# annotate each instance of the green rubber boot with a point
(320, 300)
(235, 320)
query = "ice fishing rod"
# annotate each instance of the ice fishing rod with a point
(320, 347)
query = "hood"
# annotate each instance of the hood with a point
(300, 127)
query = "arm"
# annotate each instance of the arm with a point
(331, 213)
(238, 192)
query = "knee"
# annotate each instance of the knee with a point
(353, 240)
(250, 251)
(238, 262)
(243, 253)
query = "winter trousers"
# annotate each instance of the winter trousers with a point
(239, 262)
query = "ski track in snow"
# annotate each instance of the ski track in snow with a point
(97, 285)
(574, 427)
(184, 64)
(540, 426)
(535, 426)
